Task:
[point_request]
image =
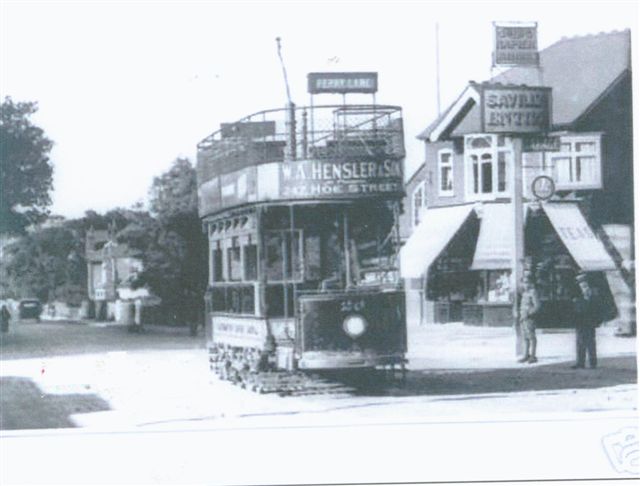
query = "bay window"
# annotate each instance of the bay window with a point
(488, 161)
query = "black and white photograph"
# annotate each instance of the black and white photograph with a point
(295, 243)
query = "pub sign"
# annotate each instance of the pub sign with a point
(515, 44)
(515, 109)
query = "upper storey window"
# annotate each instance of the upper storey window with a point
(577, 164)
(488, 161)
(445, 172)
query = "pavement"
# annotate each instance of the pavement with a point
(100, 376)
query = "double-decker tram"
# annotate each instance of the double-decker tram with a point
(301, 209)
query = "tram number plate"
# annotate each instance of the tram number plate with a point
(355, 305)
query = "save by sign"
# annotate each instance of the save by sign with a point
(515, 109)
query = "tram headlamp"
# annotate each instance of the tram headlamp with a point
(354, 325)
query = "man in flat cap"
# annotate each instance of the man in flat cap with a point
(588, 313)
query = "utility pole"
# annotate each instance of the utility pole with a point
(291, 110)
(438, 66)
(517, 258)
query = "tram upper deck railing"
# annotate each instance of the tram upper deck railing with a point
(326, 132)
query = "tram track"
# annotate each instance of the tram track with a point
(335, 383)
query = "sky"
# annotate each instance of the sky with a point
(125, 87)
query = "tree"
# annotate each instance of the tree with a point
(46, 263)
(25, 170)
(173, 247)
(50, 263)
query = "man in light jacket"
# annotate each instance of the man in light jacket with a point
(529, 308)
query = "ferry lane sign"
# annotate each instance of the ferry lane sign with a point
(515, 109)
(352, 82)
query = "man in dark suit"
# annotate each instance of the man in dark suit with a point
(588, 313)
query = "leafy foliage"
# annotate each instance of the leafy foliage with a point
(25, 170)
(47, 264)
(172, 244)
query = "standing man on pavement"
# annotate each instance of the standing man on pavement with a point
(5, 317)
(588, 310)
(529, 308)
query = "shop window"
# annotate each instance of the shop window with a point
(577, 164)
(498, 286)
(418, 201)
(487, 161)
(445, 172)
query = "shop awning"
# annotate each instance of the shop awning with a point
(495, 240)
(578, 237)
(436, 228)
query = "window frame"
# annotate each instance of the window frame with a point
(415, 211)
(234, 245)
(475, 180)
(216, 268)
(551, 158)
(301, 257)
(441, 165)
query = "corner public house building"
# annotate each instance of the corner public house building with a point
(459, 219)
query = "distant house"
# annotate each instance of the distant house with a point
(457, 223)
(111, 269)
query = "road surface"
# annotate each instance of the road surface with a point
(64, 374)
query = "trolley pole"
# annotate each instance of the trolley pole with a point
(518, 239)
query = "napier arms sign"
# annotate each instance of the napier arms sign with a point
(515, 44)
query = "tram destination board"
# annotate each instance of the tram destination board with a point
(353, 82)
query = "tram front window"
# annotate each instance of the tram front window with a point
(250, 262)
(216, 264)
(235, 261)
(372, 246)
(283, 261)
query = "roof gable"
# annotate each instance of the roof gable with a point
(578, 69)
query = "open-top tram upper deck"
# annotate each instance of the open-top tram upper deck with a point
(320, 153)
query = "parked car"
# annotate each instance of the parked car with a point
(29, 309)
